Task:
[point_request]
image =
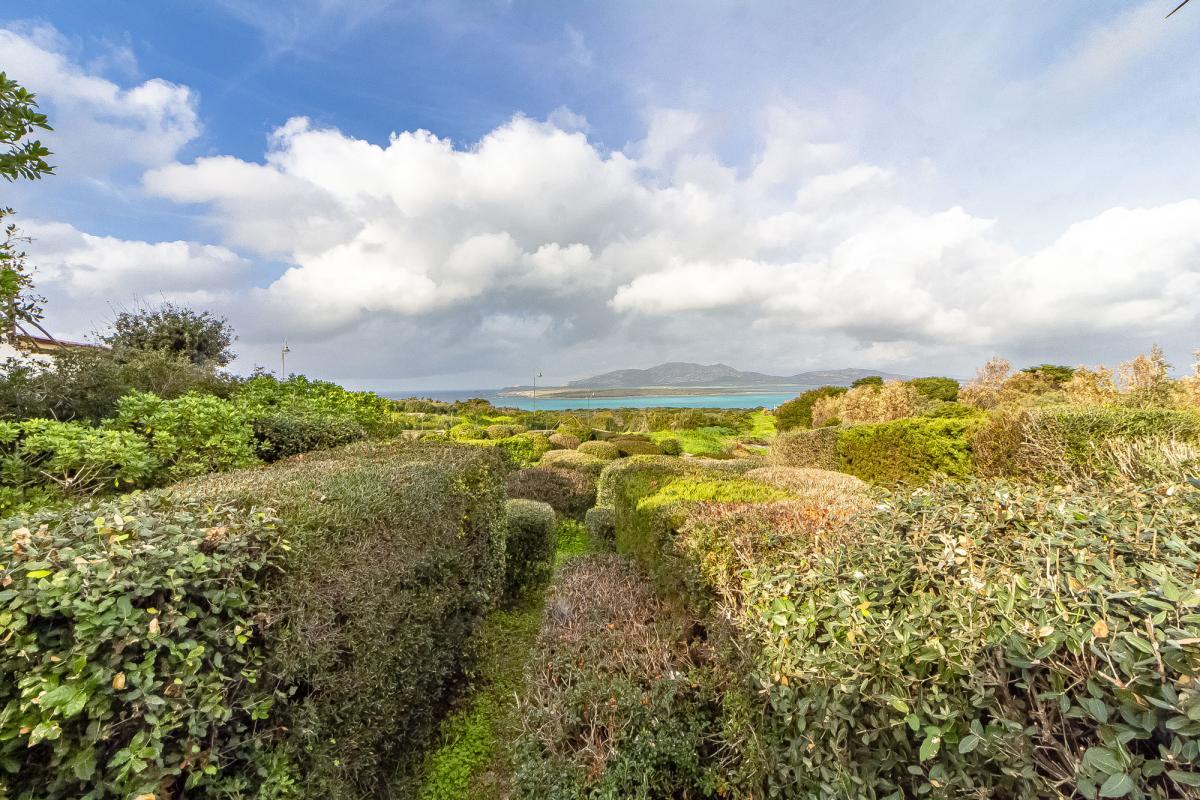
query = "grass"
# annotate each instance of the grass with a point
(472, 760)
(719, 441)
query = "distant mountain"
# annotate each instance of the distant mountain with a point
(681, 374)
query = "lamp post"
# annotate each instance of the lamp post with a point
(535, 379)
(283, 351)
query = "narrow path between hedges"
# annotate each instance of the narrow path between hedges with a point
(471, 760)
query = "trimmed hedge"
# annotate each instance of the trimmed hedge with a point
(601, 523)
(573, 459)
(909, 450)
(965, 639)
(567, 491)
(636, 447)
(284, 433)
(807, 448)
(797, 412)
(605, 450)
(529, 542)
(288, 630)
(564, 441)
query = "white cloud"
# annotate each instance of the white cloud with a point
(662, 242)
(99, 125)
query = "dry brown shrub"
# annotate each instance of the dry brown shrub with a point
(1091, 387)
(816, 448)
(985, 391)
(893, 400)
(1146, 379)
(814, 485)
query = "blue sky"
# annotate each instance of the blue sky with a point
(780, 186)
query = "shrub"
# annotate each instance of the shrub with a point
(529, 540)
(944, 389)
(42, 458)
(574, 460)
(601, 523)
(867, 380)
(869, 403)
(636, 447)
(603, 450)
(949, 410)
(807, 448)
(569, 492)
(524, 449)
(465, 431)
(616, 705)
(287, 631)
(797, 413)
(286, 433)
(190, 435)
(907, 450)
(573, 426)
(670, 447)
(910, 650)
(502, 431)
(564, 441)
(1065, 443)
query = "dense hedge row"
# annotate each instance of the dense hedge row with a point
(288, 630)
(1049, 444)
(966, 639)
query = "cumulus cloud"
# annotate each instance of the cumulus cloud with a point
(99, 125)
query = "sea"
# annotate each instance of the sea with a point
(746, 400)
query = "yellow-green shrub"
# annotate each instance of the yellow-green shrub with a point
(605, 450)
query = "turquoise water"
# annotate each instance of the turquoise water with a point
(749, 400)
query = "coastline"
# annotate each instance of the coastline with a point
(575, 393)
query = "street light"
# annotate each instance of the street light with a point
(283, 351)
(535, 377)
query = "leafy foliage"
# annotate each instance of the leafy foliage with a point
(569, 492)
(529, 537)
(907, 450)
(605, 450)
(229, 636)
(797, 413)
(574, 460)
(19, 118)
(944, 389)
(190, 435)
(199, 336)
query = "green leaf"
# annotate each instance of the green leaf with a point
(968, 743)
(930, 747)
(1185, 778)
(1117, 785)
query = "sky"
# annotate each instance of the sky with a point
(461, 195)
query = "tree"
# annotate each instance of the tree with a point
(200, 336)
(869, 380)
(936, 388)
(19, 118)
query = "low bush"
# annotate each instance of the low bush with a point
(564, 441)
(42, 458)
(980, 638)
(869, 403)
(670, 446)
(280, 434)
(950, 410)
(1067, 443)
(605, 450)
(280, 632)
(503, 431)
(190, 435)
(573, 426)
(907, 450)
(465, 430)
(807, 448)
(601, 523)
(573, 459)
(618, 701)
(636, 447)
(529, 540)
(944, 389)
(524, 449)
(797, 413)
(569, 492)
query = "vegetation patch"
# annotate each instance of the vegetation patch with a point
(907, 450)
(603, 450)
(529, 543)
(579, 460)
(292, 627)
(569, 492)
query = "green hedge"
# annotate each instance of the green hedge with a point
(605, 450)
(278, 632)
(569, 492)
(797, 412)
(909, 450)
(980, 638)
(284, 433)
(530, 538)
